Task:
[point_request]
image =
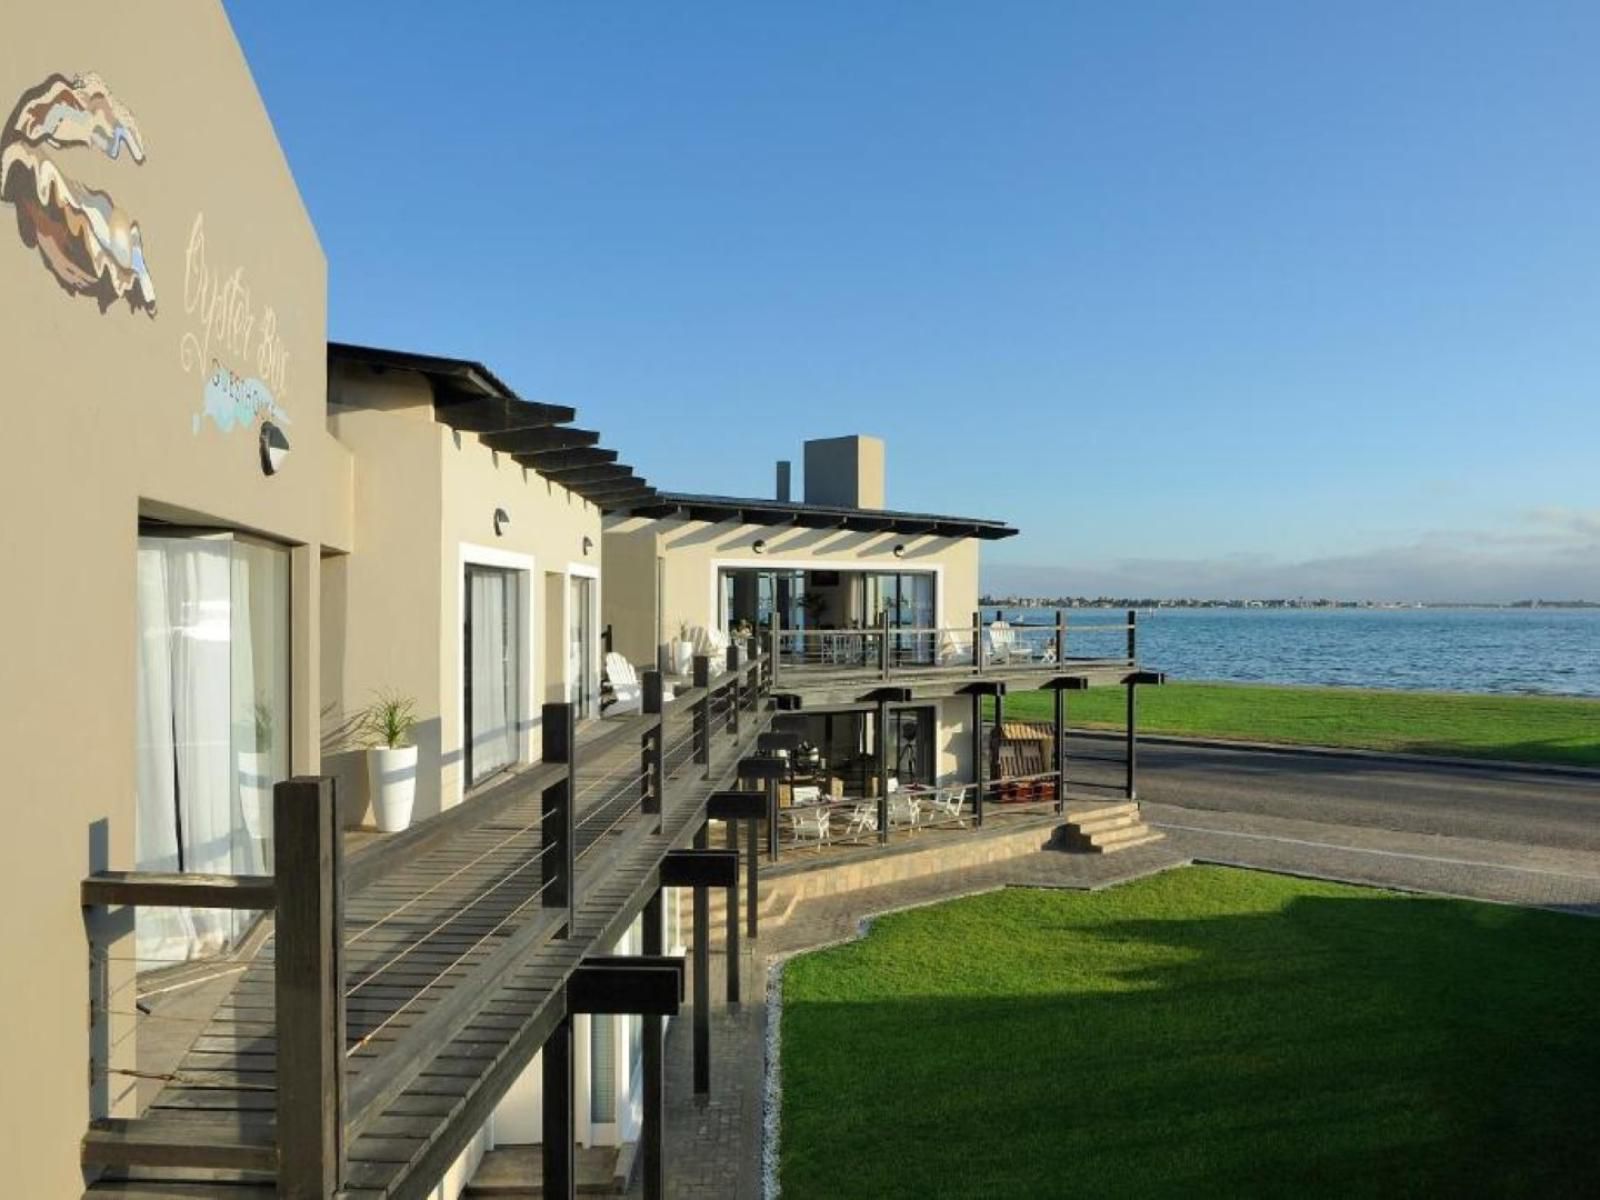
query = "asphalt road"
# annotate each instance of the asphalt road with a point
(1491, 803)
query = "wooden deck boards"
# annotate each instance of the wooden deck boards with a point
(414, 935)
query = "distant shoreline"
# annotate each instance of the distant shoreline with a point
(1071, 604)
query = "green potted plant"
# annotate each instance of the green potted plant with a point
(386, 724)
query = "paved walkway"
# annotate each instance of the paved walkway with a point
(715, 1149)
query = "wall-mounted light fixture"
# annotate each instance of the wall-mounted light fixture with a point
(759, 545)
(274, 448)
(899, 549)
(588, 545)
(501, 519)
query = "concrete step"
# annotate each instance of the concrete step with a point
(1126, 833)
(1106, 824)
(1076, 814)
(1149, 835)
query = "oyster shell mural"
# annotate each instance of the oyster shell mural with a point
(90, 245)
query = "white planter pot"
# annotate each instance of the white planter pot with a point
(682, 657)
(393, 778)
(255, 793)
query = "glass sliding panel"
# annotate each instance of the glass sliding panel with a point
(917, 612)
(580, 649)
(212, 723)
(494, 680)
(602, 1069)
(260, 594)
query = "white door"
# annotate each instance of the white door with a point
(493, 678)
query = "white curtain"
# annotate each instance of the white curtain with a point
(197, 673)
(493, 712)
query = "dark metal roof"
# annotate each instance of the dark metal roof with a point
(751, 511)
(470, 398)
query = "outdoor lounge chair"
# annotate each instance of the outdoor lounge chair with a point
(953, 652)
(713, 643)
(809, 823)
(948, 803)
(626, 691)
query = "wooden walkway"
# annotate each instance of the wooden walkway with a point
(429, 913)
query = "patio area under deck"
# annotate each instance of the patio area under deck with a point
(888, 671)
(455, 964)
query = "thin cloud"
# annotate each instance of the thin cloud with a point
(1552, 554)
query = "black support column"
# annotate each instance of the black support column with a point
(701, 869)
(732, 936)
(1131, 787)
(560, 1164)
(978, 689)
(702, 981)
(1060, 686)
(652, 1134)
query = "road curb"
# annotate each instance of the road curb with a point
(1416, 760)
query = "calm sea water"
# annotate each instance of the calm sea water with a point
(1555, 651)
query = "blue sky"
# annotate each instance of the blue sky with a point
(1205, 297)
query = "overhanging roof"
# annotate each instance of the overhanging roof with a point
(750, 511)
(470, 398)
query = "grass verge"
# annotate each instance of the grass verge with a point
(1548, 729)
(1202, 1032)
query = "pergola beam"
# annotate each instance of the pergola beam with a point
(524, 441)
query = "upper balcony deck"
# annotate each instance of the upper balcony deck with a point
(826, 667)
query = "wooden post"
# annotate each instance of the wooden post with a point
(883, 644)
(999, 737)
(736, 684)
(977, 643)
(752, 890)
(977, 759)
(777, 646)
(1061, 638)
(559, 861)
(702, 982)
(654, 1116)
(309, 988)
(1130, 787)
(883, 772)
(733, 919)
(654, 767)
(1061, 749)
(560, 1132)
(702, 712)
(772, 817)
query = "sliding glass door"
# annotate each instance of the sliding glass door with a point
(907, 599)
(581, 646)
(212, 721)
(493, 683)
(750, 596)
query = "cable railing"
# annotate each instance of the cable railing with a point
(888, 651)
(362, 996)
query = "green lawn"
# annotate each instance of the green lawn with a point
(1207, 1032)
(1528, 728)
